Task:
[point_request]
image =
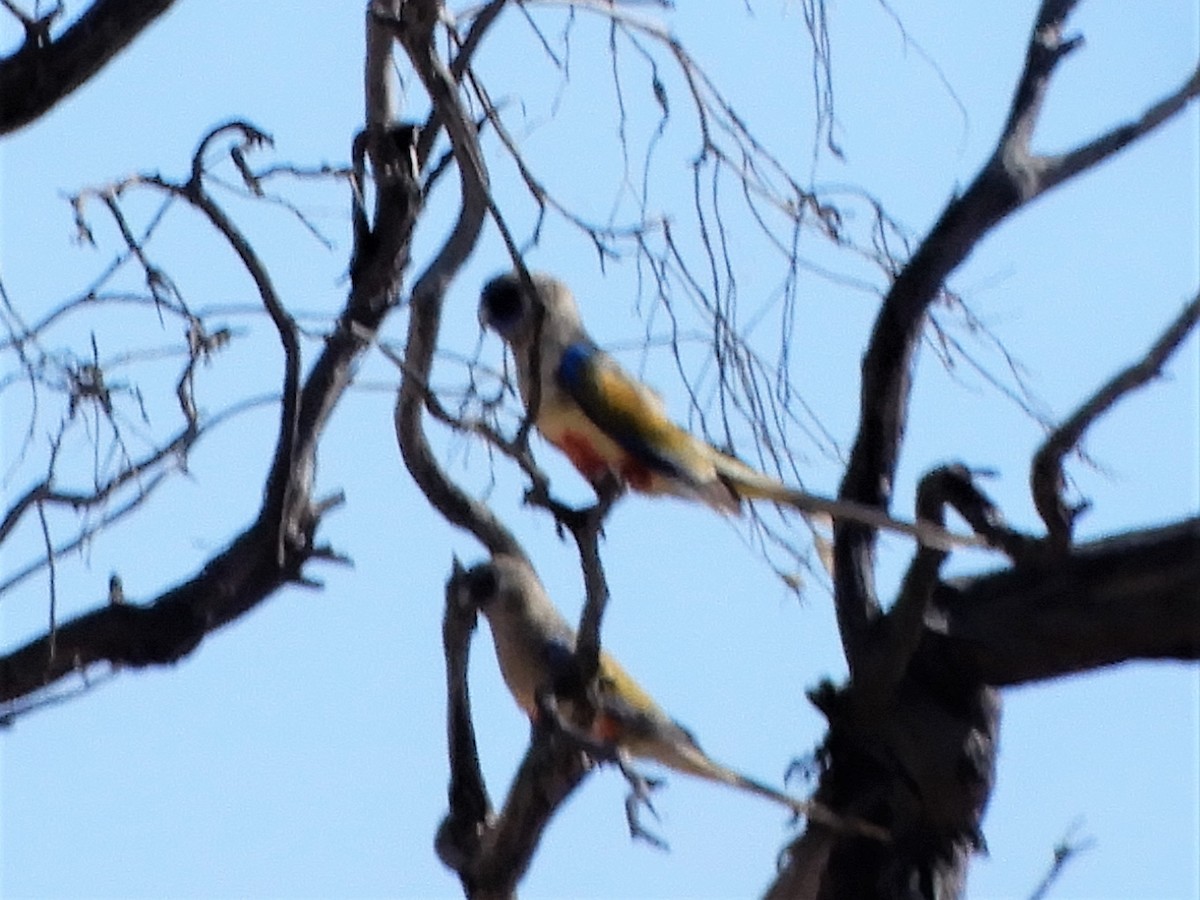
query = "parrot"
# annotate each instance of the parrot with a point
(535, 647)
(607, 423)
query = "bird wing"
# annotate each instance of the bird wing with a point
(629, 716)
(618, 688)
(629, 413)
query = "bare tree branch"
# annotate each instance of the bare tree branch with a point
(490, 864)
(924, 764)
(899, 631)
(43, 71)
(145, 474)
(459, 837)
(551, 770)
(1009, 179)
(490, 853)
(282, 481)
(163, 631)
(252, 568)
(1129, 597)
(379, 90)
(1046, 473)
(1064, 851)
(1058, 169)
(88, 384)
(921, 758)
(415, 31)
(587, 537)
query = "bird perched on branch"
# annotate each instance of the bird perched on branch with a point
(609, 424)
(535, 648)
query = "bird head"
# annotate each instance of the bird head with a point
(499, 585)
(512, 307)
(511, 597)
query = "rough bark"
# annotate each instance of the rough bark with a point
(1135, 596)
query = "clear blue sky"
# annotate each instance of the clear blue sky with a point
(300, 752)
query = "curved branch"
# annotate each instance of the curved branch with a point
(1011, 178)
(283, 476)
(900, 629)
(43, 72)
(257, 563)
(458, 837)
(414, 29)
(480, 24)
(1131, 597)
(1046, 473)
(490, 853)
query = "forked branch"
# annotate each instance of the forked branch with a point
(1012, 177)
(414, 28)
(1046, 476)
(274, 549)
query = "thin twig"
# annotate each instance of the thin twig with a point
(1046, 476)
(1011, 178)
(53, 571)
(1064, 851)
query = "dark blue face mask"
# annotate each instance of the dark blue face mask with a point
(502, 303)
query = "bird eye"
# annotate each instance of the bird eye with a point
(482, 583)
(502, 301)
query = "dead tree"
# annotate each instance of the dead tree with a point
(912, 733)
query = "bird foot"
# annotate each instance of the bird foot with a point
(640, 789)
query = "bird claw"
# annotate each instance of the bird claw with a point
(637, 831)
(640, 789)
(577, 520)
(640, 786)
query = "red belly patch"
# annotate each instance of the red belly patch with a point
(594, 466)
(583, 455)
(607, 728)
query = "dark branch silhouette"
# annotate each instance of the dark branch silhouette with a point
(1046, 473)
(1128, 597)
(911, 743)
(274, 549)
(898, 685)
(44, 70)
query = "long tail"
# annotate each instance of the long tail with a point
(680, 752)
(689, 758)
(754, 485)
(811, 810)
